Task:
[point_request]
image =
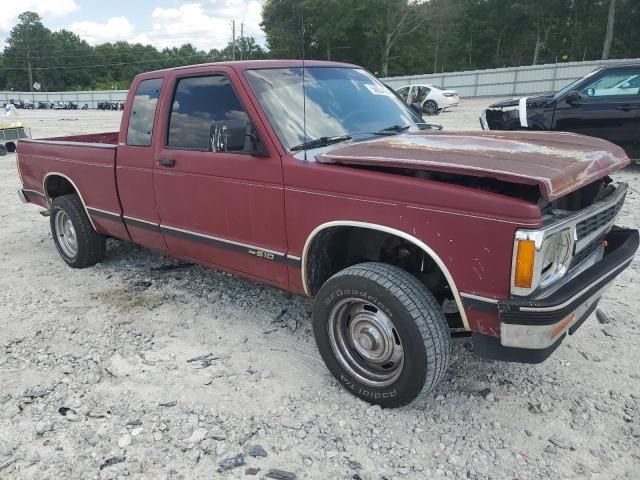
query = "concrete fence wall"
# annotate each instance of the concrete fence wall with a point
(512, 81)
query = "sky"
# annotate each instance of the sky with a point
(161, 23)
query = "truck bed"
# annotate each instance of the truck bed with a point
(85, 161)
(108, 138)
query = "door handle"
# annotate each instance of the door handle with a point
(167, 162)
(626, 108)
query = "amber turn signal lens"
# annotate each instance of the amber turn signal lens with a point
(525, 259)
(562, 325)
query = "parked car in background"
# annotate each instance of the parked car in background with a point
(604, 104)
(23, 104)
(431, 99)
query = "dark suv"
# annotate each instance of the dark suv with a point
(604, 104)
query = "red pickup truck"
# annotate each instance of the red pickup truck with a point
(317, 179)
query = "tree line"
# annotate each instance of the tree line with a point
(404, 37)
(389, 37)
(63, 61)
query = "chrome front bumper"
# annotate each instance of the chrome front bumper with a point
(540, 323)
(483, 120)
(532, 328)
(22, 196)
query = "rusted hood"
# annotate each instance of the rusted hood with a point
(557, 162)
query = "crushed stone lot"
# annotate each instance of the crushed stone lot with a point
(147, 367)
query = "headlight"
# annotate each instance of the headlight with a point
(540, 258)
(557, 250)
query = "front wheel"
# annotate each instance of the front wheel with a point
(77, 242)
(381, 333)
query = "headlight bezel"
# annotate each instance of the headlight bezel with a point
(555, 243)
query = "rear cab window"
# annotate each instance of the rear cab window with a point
(143, 112)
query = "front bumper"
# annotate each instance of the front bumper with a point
(22, 196)
(531, 329)
(483, 120)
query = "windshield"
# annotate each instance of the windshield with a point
(339, 102)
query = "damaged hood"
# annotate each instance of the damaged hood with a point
(531, 101)
(558, 163)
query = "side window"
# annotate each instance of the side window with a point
(207, 115)
(404, 93)
(143, 112)
(613, 84)
(422, 93)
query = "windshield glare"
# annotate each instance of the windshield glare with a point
(339, 101)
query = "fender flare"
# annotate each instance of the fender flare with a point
(75, 187)
(372, 226)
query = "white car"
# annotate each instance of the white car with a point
(432, 99)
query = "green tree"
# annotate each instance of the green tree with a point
(26, 40)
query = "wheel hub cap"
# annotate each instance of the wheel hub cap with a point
(365, 342)
(66, 233)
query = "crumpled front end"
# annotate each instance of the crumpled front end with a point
(513, 114)
(499, 118)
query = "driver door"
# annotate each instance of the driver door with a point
(219, 202)
(605, 111)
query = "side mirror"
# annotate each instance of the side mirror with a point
(238, 136)
(257, 148)
(573, 98)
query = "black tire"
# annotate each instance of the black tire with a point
(3, 150)
(430, 107)
(90, 245)
(418, 323)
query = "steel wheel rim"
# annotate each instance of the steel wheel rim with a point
(66, 234)
(430, 107)
(365, 342)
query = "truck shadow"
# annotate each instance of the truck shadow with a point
(469, 378)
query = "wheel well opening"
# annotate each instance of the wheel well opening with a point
(336, 248)
(56, 186)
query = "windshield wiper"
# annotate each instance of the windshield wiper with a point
(392, 130)
(395, 129)
(321, 142)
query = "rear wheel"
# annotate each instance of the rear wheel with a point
(430, 107)
(381, 333)
(73, 234)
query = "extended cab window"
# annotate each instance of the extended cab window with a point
(207, 115)
(143, 111)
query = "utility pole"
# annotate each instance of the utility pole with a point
(29, 64)
(233, 42)
(241, 41)
(30, 74)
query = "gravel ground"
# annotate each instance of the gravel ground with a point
(146, 367)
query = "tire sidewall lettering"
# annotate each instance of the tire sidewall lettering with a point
(339, 293)
(363, 392)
